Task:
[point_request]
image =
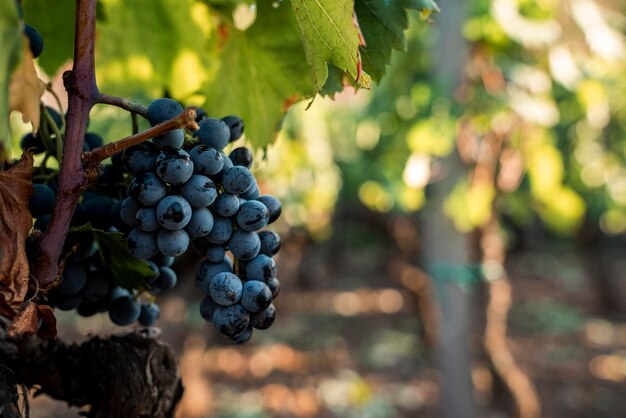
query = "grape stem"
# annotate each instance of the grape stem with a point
(186, 119)
(125, 104)
(80, 84)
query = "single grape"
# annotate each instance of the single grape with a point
(116, 218)
(199, 190)
(35, 40)
(225, 288)
(124, 311)
(265, 318)
(142, 244)
(149, 314)
(222, 230)
(147, 220)
(73, 279)
(173, 212)
(147, 189)
(128, 211)
(116, 293)
(252, 215)
(166, 280)
(163, 109)
(244, 245)
(270, 242)
(42, 201)
(241, 156)
(98, 211)
(244, 337)
(206, 160)
(200, 224)
(213, 132)
(256, 296)
(207, 271)
(273, 206)
(231, 321)
(226, 204)
(237, 180)
(80, 217)
(93, 140)
(262, 267)
(33, 143)
(140, 158)
(163, 260)
(235, 126)
(215, 253)
(252, 193)
(42, 222)
(207, 308)
(173, 243)
(172, 139)
(174, 166)
(96, 287)
(274, 285)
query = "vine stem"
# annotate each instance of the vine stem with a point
(125, 104)
(187, 118)
(80, 84)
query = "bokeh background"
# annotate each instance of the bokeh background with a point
(453, 238)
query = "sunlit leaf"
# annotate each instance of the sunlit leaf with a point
(11, 42)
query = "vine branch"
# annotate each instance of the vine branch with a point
(125, 104)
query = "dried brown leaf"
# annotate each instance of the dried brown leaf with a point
(26, 89)
(15, 223)
(34, 319)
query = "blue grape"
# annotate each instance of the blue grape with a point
(200, 224)
(42, 222)
(237, 180)
(66, 302)
(262, 267)
(241, 156)
(163, 260)
(235, 126)
(42, 201)
(140, 158)
(35, 40)
(200, 114)
(171, 139)
(93, 140)
(226, 288)
(264, 319)
(226, 204)
(147, 220)
(252, 215)
(201, 244)
(124, 311)
(166, 280)
(96, 287)
(244, 337)
(244, 245)
(147, 189)
(117, 292)
(270, 242)
(174, 166)
(206, 160)
(80, 217)
(73, 279)
(274, 285)
(231, 321)
(33, 143)
(222, 230)
(98, 210)
(273, 206)
(215, 253)
(116, 218)
(173, 212)
(207, 271)
(227, 164)
(173, 243)
(163, 109)
(128, 211)
(155, 270)
(207, 308)
(252, 193)
(149, 314)
(213, 132)
(142, 244)
(256, 296)
(200, 191)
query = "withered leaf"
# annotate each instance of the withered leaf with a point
(15, 223)
(26, 89)
(27, 322)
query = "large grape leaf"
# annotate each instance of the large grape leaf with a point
(329, 35)
(383, 24)
(10, 54)
(55, 21)
(263, 70)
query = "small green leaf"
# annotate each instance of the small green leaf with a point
(128, 271)
(55, 21)
(329, 35)
(11, 42)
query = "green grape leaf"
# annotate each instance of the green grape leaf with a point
(55, 21)
(262, 72)
(334, 82)
(129, 272)
(11, 42)
(383, 24)
(329, 35)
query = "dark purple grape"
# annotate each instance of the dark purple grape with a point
(231, 321)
